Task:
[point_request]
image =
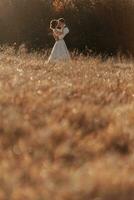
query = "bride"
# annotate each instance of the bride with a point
(59, 51)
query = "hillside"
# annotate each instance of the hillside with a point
(66, 130)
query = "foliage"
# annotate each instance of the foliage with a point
(99, 25)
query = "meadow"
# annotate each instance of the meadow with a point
(66, 129)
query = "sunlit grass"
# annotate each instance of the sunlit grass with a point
(66, 129)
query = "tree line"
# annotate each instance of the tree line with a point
(97, 25)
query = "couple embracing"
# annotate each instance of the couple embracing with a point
(59, 51)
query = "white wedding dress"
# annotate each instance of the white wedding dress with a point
(60, 51)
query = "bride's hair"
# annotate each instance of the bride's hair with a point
(53, 24)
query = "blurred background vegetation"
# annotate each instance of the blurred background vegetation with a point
(103, 26)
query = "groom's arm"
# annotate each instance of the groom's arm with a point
(66, 31)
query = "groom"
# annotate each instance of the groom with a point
(63, 26)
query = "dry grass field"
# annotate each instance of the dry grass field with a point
(66, 130)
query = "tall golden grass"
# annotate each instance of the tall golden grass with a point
(66, 129)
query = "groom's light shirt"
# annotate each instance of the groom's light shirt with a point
(65, 32)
